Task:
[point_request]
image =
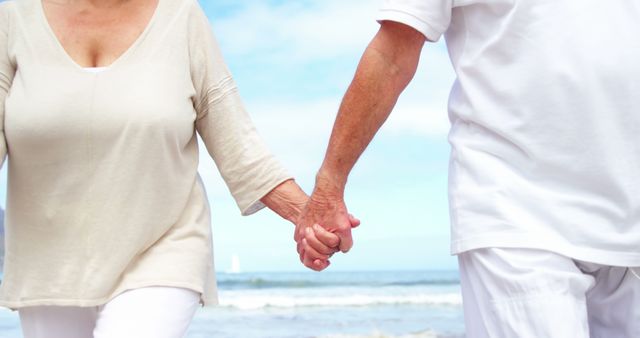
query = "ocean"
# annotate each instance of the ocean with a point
(400, 304)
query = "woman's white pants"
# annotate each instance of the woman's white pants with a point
(530, 293)
(150, 312)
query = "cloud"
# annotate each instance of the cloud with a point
(418, 119)
(301, 31)
(307, 124)
(295, 59)
(298, 132)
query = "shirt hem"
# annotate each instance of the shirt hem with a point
(432, 34)
(593, 255)
(256, 205)
(14, 305)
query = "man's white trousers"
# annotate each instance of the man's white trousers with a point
(537, 294)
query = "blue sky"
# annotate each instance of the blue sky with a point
(292, 62)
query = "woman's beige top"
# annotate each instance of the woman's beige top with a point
(103, 193)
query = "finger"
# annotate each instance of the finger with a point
(298, 234)
(317, 245)
(314, 264)
(354, 221)
(346, 241)
(299, 248)
(309, 262)
(302, 257)
(312, 253)
(325, 237)
(321, 265)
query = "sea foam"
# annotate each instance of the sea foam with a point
(259, 301)
(425, 334)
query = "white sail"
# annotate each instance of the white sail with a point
(235, 264)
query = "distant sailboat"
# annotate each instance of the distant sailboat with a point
(235, 264)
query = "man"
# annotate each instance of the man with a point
(544, 175)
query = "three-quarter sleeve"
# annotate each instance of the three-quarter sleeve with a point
(246, 165)
(7, 70)
(429, 17)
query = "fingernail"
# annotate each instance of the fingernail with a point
(307, 230)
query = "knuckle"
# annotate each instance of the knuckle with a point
(346, 248)
(332, 250)
(344, 227)
(309, 264)
(300, 233)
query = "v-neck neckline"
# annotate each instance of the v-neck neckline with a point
(118, 60)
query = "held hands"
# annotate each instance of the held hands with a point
(324, 227)
(315, 243)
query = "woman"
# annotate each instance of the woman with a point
(107, 221)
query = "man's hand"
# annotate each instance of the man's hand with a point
(324, 226)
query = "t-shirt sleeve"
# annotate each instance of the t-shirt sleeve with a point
(7, 71)
(246, 165)
(429, 17)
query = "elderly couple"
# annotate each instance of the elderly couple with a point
(108, 229)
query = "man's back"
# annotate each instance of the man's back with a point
(545, 124)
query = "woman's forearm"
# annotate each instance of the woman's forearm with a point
(286, 200)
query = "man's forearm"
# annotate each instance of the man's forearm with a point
(385, 69)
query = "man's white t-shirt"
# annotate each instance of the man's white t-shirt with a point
(545, 115)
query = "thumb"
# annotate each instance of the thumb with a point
(346, 241)
(354, 221)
